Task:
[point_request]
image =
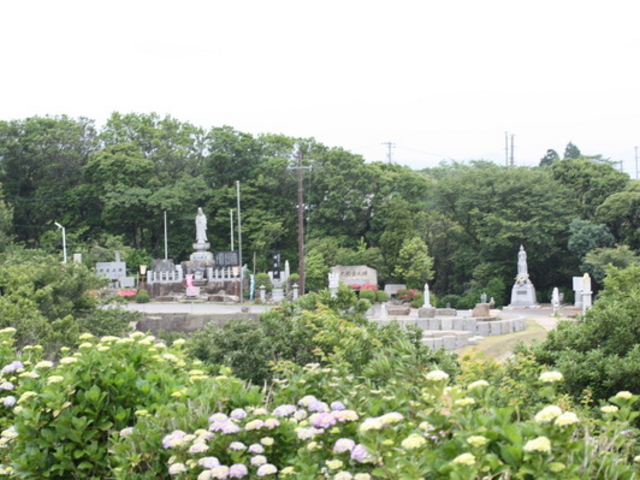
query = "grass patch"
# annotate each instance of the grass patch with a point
(499, 346)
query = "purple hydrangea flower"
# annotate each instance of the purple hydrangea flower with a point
(337, 406)
(258, 460)
(238, 470)
(318, 406)
(230, 428)
(209, 462)
(284, 410)
(360, 454)
(9, 401)
(256, 448)
(322, 420)
(343, 445)
(173, 439)
(237, 446)
(218, 417)
(12, 367)
(238, 414)
(6, 386)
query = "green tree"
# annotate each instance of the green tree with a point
(590, 182)
(585, 236)
(621, 212)
(414, 265)
(316, 271)
(571, 151)
(42, 163)
(122, 176)
(484, 212)
(597, 261)
(550, 157)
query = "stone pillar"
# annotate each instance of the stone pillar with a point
(294, 292)
(586, 293)
(263, 294)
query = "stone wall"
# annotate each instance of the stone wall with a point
(188, 322)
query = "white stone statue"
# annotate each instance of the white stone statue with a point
(201, 227)
(523, 272)
(555, 300)
(427, 300)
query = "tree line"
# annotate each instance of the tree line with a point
(458, 225)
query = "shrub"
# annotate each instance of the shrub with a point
(406, 295)
(263, 279)
(381, 296)
(418, 300)
(68, 412)
(600, 352)
(450, 299)
(143, 296)
(369, 295)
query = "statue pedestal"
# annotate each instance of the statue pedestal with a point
(197, 257)
(201, 246)
(523, 295)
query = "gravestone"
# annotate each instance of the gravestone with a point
(392, 288)
(115, 271)
(523, 293)
(577, 289)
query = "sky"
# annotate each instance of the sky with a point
(439, 80)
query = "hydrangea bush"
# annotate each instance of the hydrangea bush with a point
(449, 432)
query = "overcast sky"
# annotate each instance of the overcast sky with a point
(439, 79)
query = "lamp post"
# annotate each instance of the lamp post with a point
(235, 270)
(64, 241)
(143, 272)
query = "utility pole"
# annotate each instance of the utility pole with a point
(240, 245)
(299, 168)
(512, 135)
(389, 145)
(506, 149)
(231, 215)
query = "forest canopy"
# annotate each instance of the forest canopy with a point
(110, 187)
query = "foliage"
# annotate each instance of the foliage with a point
(143, 296)
(422, 428)
(263, 279)
(621, 212)
(483, 212)
(586, 236)
(381, 296)
(591, 181)
(407, 295)
(597, 261)
(369, 295)
(414, 266)
(67, 412)
(599, 353)
(315, 328)
(316, 271)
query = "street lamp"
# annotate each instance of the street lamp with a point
(143, 272)
(64, 241)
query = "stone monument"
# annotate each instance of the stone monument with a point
(201, 260)
(523, 293)
(427, 300)
(555, 300)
